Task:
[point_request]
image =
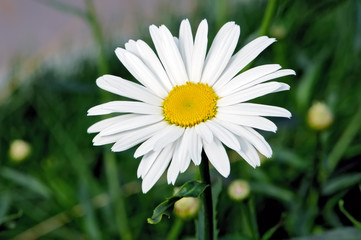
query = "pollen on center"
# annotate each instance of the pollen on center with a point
(190, 104)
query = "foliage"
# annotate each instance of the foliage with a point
(189, 189)
(68, 189)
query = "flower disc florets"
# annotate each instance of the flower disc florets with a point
(190, 104)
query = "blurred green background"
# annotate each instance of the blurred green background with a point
(55, 185)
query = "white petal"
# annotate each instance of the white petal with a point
(181, 158)
(103, 124)
(128, 136)
(253, 109)
(217, 156)
(220, 52)
(249, 121)
(185, 164)
(99, 140)
(249, 134)
(198, 159)
(124, 107)
(140, 71)
(249, 153)
(277, 74)
(169, 54)
(186, 44)
(195, 151)
(135, 121)
(176, 41)
(131, 138)
(127, 89)
(199, 52)
(160, 139)
(247, 77)
(223, 135)
(185, 149)
(263, 141)
(168, 138)
(242, 58)
(131, 46)
(146, 162)
(174, 167)
(252, 93)
(158, 168)
(204, 132)
(150, 59)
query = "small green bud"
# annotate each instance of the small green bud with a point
(278, 31)
(319, 116)
(186, 207)
(238, 190)
(19, 150)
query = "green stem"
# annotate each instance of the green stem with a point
(221, 12)
(116, 196)
(343, 143)
(72, 153)
(252, 218)
(207, 199)
(266, 22)
(175, 230)
(319, 163)
(115, 192)
(97, 35)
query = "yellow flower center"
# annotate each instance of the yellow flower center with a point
(190, 104)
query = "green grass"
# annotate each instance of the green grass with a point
(68, 189)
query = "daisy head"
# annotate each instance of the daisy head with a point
(188, 101)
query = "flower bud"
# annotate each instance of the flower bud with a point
(278, 31)
(319, 116)
(186, 207)
(238, 190)
(19, 150)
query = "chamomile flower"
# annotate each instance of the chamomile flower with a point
(189, 100)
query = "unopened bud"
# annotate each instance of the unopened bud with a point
(19, 150)
(186, 207)
(238, 190)
(278, 31)
(319, 116)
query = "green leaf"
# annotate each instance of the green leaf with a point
(348, 215)
(347, 233)
(235, 236)
(252, 217)
(189, 189)
(11, 217)
(5, 201)
(270, 232)
(26, 181)
(290, 158)
(344, 142)
(307, 82)
(342, 182)
(272, 191)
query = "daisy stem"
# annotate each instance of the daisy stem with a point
(117, 196)
(221, 12)
(111, 168)
(207, 199)
(176, 229)
(267, 17)
(97, 35)
(266, 22)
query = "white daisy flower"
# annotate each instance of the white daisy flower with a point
(188, 101)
